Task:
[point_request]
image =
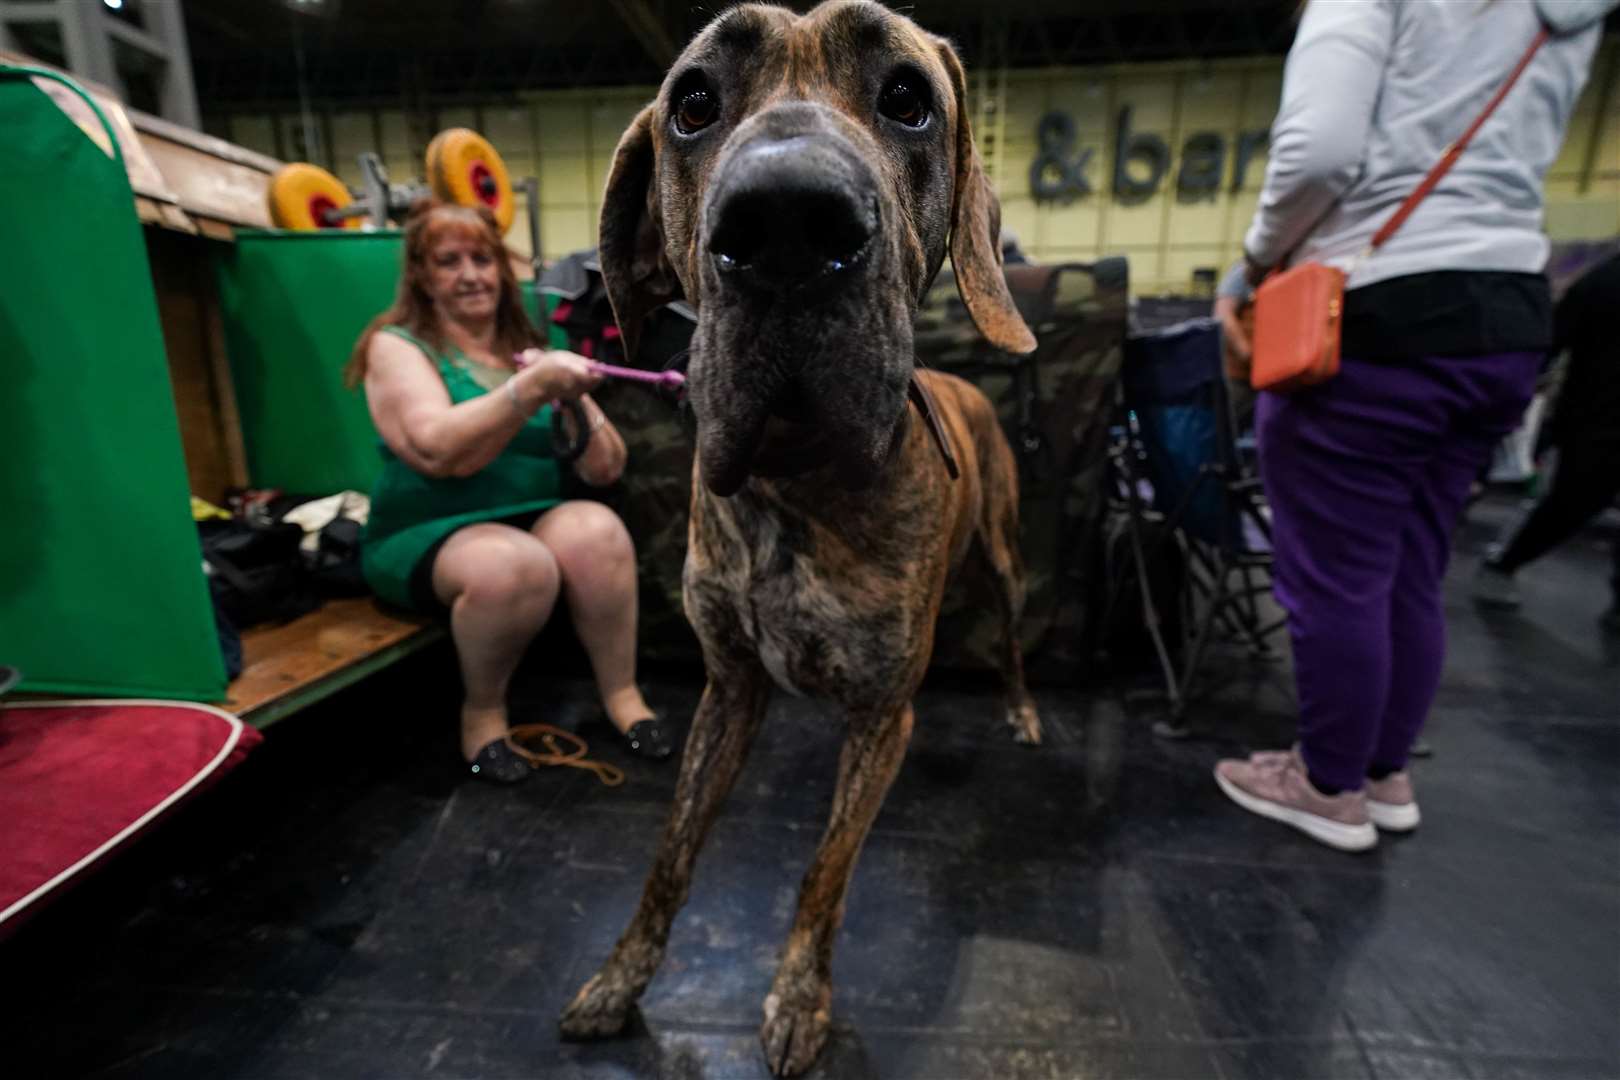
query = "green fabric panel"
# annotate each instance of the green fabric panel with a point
(101, 586)
(294, 303)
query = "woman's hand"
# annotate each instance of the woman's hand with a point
(553, 375)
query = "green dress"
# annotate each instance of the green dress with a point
(410, 513)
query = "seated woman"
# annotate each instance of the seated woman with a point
(467, 517)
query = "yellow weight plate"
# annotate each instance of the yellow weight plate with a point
(463, 168)
(300, 195)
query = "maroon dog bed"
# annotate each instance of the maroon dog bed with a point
(80, 779)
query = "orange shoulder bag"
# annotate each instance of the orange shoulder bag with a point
(1297, 312)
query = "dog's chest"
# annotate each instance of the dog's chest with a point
(824, 617)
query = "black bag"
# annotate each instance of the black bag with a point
(335, 565)
(259, 574)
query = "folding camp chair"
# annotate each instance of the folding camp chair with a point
(1182, 475)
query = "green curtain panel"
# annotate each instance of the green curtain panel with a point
(101, 585)
(293, 305)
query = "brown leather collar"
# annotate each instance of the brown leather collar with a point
(920, 396)
(815, 451)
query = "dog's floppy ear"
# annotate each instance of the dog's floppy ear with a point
(976, 233)
(631, 236)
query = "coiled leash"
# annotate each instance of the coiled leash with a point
(548, 736)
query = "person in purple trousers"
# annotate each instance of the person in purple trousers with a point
(1444, 331)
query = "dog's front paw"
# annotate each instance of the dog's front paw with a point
(794, 1033)
(600, 1009)
(1026, 723)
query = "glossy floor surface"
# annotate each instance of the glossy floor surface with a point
(345, 906)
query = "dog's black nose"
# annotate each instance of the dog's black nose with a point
(789, 212)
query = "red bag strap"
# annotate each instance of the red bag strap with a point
(1454, 151)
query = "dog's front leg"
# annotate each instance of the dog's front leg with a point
(798, 1011)
(723, 729)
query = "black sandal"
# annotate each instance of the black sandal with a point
(646, 738)
(498, 763)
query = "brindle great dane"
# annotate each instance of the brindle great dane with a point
(799, 179)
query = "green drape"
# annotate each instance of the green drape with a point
(293, 304)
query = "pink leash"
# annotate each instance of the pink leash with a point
(674, 380)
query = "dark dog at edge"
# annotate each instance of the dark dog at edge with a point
(799, 179)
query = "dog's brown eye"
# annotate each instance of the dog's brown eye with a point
(695, 111)
(903, 102)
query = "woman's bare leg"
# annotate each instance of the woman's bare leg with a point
(597, 562)
(500, 585)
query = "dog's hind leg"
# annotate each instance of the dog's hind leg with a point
(723, 729)
(999, 538)
(798, 1010)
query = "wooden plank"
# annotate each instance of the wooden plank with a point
(215, 230)
(290, 666)
(213, 186)
(177, 219)
(147, 124)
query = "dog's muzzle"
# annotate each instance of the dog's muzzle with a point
(793, 216)
(797, 323)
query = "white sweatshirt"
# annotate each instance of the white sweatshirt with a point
(1375, 90)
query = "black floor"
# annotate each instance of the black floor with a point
(344, 906)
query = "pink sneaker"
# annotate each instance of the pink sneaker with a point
(1391, 804)
(1274, 785)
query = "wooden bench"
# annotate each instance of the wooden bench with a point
(290, 667)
